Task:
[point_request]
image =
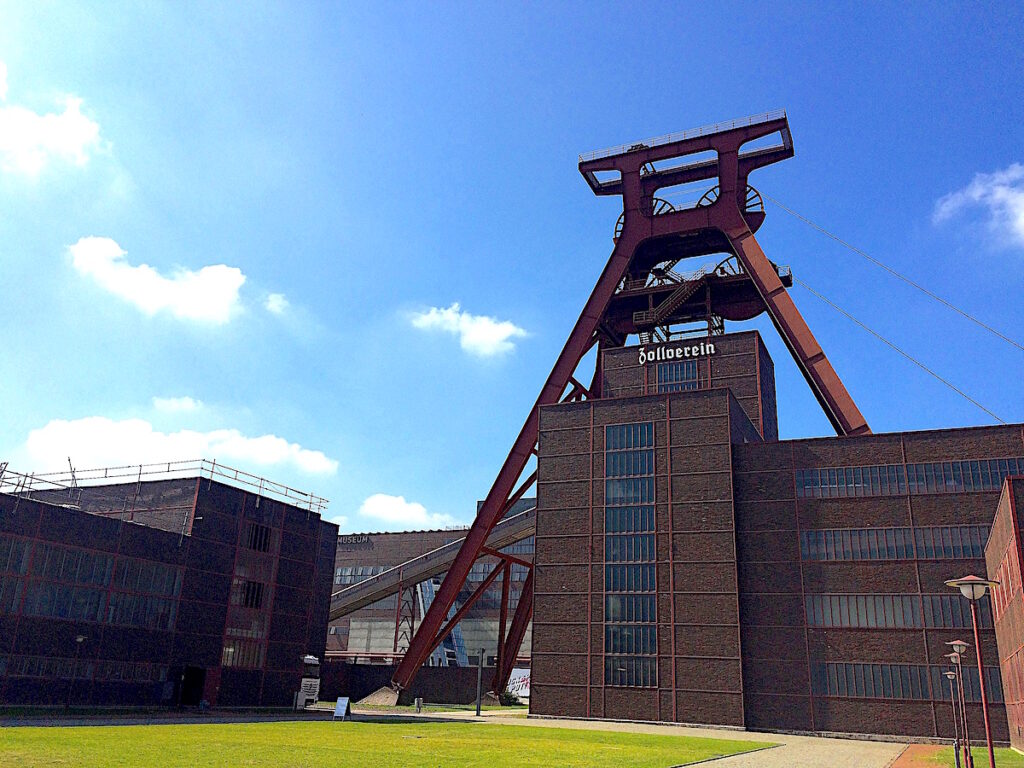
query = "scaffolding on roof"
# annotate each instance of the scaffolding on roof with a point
(74, 481)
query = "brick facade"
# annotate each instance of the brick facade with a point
(175, 603)
(1003, 557)
(739, 572)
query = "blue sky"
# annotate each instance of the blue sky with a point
(240, 231)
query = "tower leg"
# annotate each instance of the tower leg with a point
(810, 359)
(580, 341)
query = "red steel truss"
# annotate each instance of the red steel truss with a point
(651, 238)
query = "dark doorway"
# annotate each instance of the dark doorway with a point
(192, 681)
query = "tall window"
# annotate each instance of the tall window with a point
(679, 376)
(631, 638)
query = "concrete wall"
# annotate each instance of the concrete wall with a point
(435, 685)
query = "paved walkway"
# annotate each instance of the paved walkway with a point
(794, 752)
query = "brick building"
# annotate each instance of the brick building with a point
(160, 592)
(1004, 555)
(691, 567)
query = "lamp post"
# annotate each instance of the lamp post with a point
(974, 588)
(951, 676)
(79, 639)
(959, 646)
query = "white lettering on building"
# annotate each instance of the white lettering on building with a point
(663, 353)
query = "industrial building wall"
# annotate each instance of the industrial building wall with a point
(155, 609)
(830, 614)
(818, 563)
(1003, 557)
(581, 664)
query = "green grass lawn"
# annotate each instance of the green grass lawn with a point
(1005, 758)
(350, 745)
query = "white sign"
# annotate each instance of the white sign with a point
(341, 709)
(309, 692)
(519, 683)
(662, 353)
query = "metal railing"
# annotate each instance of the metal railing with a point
(692, 133)
(20, 484)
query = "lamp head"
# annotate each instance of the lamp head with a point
(958, 646)
(972, 587)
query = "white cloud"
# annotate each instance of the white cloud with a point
(339, 520)
(29, 140)
(478, 334)
(208, 295)
(276, 303)
(97, 441)
(391, 513)
(1001, 193)
(177, 404)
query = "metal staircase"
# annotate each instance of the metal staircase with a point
(674, 300)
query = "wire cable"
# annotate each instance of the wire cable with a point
(881, 338)
(893, 272)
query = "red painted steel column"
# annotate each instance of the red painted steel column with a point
(981, 681)
(502, 618)
(516, 632)
(580, 340)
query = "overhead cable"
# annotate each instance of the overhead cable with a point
(893, 272)
(915, 361)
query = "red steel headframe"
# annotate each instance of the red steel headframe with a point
(639, 178)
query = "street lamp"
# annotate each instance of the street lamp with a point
(955, 659)
(79, 639)
(974, 588)
(951, 676)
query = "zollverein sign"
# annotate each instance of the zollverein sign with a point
(664, 352)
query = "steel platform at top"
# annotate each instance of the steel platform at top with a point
(692, 133)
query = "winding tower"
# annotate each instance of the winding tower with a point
(643, 291)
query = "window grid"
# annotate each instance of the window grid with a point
(86, 669)
(903, 543)
(72, 583)
(898, 479)
(917, 682)
(893, 612)
(630, 604)
(680, 376)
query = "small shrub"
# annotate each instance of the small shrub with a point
(508, 699)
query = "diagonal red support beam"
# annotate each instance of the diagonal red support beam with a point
(520, 491)
(579, 387)
(825, 383)
(581, 339)
(507, 557)
(462, 611)
(516, 633)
